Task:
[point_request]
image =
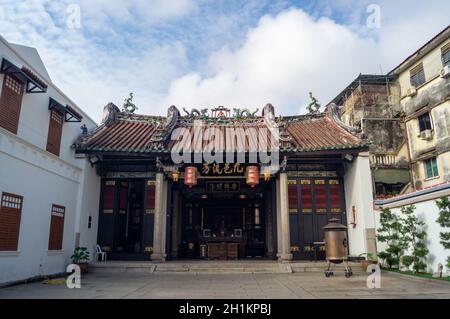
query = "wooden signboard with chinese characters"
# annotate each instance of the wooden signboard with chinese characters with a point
(228, 186)
(222, 169)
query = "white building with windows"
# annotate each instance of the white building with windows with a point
(424, 82)
(48, 196)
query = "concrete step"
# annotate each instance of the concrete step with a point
(219, 267)
(321, 266)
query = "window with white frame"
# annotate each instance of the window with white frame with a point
(431, 168)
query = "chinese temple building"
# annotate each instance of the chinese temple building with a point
(153, 207)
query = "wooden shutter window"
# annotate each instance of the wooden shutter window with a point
(321, 196)
(335, 196)
(56, 227)
(55, 132)
(150, 202)
(10, 103)
(417, 75)
(10, 214)
(292, 196)
(445, 54)
(306, 196)
(123, 200)
(109, 190)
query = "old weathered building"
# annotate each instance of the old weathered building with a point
(405, 115)
(370, 103)
(424, 83)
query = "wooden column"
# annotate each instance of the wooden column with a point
(159, 230)
(175, 222)
(284, 238)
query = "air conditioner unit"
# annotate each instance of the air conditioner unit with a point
(426, 135)
(412, 91)
(445, 71)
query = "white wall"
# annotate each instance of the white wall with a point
(426, 210)
(43, 179)
(35, 116)
(358, 193)
(89, 207)
(40, 189)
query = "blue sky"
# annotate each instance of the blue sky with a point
(208, 53)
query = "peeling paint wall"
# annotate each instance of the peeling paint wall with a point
(367, 101)
(387, 135)
(434, 97)
(432, 65)
(440, 140)
(372, 108)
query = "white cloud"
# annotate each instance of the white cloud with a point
(150, 48)
(87, 72)
(149, 11)
(282, 59)
(287, 55)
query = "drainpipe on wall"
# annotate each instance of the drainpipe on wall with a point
(411, 177)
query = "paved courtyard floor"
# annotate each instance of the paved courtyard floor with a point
(129, 284)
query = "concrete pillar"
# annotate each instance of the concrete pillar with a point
(79, 205)
(278, 216)
(175, 222)
(284, 237)
(159, 230)
(164, 219)
(269, 224)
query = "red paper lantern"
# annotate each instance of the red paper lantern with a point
(252, 174)
(190, 176)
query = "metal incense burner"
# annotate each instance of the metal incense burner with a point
(336, 246)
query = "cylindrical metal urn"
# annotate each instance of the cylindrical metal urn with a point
(336, 246)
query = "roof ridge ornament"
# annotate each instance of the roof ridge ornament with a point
(244, 113)
(163, 131)
(220, 112)
(276, 126)
(128, 105)
(196, 113)
(313, 105)
(109, 113)
(333, 110)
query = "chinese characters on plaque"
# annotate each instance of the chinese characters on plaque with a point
(222, 169)
(223, 186)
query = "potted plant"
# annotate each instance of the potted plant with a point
(369, 260)
(81, 258)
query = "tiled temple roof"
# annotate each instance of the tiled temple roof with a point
(140, 134)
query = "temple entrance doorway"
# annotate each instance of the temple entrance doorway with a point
(223, 220)
(126, 218)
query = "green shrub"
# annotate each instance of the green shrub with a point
(80, 255)
(389, 233)
(444, 221)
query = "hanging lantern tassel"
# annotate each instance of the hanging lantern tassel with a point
(266, 174)
(190, 176)
(175, 175)
(252, 174)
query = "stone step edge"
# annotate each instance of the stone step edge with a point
(271, 268)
